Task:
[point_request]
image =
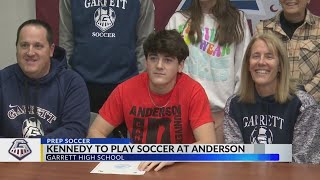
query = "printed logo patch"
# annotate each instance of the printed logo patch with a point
(261, 135)
(32, 127)
(104, 18)
(20, 149)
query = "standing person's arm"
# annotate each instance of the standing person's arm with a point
(145, 26)
(65, 27)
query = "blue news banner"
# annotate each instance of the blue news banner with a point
(106, 149)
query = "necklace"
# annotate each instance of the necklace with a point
(155, 103)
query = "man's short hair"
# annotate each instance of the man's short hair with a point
(37, 22)
(166, 42)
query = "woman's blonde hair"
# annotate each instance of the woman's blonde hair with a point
(285, 88)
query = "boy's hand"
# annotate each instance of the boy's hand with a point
(147, 166)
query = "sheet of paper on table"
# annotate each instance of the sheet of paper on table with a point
(118, 167)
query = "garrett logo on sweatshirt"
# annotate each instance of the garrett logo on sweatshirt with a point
(105, 15)
(104, 18)
(17, 110)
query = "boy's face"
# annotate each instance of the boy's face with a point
(162, 70)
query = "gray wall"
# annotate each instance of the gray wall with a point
(12, 14)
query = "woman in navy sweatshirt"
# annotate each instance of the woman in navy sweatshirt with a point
(268, 108)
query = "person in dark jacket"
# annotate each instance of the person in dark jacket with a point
(268, 108)
(39, 96)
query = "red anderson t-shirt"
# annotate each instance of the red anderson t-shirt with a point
(186, 107)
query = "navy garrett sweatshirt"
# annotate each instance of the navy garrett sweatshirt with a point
(295, 122)
(54, 106)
